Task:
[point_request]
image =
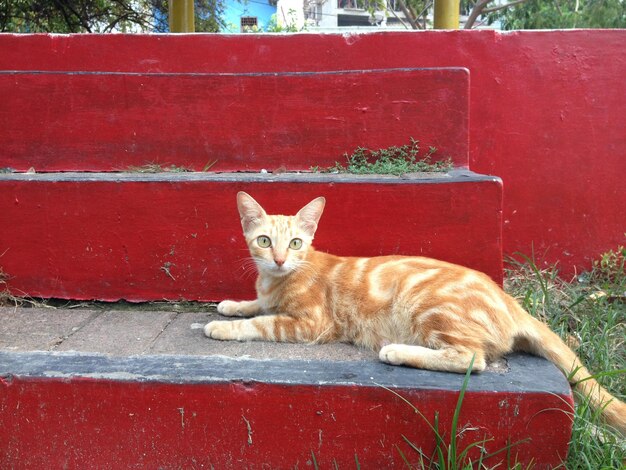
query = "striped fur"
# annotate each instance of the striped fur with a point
(415, 311)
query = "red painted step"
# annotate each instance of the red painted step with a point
(171, 236)
(108, 121)
(81, 411)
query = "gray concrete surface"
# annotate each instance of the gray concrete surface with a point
(129, 332)
(167, 343)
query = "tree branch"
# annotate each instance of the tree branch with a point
(479, 9)
(408, 15)
(81, 21)
(393, 12)
(475, 13)
(502, 7)
(425, 12)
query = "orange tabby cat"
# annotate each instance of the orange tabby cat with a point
(417, 312)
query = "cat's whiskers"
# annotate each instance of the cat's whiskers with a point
(303, 266)
(248, 266)
(266, 266)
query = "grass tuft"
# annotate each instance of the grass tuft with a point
(392, 160)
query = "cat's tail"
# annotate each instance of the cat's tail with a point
(537, 338)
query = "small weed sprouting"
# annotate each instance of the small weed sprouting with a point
(5, 295)
(153, 167)
(8, 299)
(392, 160)
(610, 268)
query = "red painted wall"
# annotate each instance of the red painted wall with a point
(546, 108)
(80, 423)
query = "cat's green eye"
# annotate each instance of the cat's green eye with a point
(264, 242)
(295, 244)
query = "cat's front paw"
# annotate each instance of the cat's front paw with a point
(392, 354)
(229, 308)
(222, 330)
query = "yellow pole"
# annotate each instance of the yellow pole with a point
(446, 14)
(181, 17)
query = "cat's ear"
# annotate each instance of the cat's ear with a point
(251, 213)
(309, 215)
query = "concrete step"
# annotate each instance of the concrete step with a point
(81, 120)
(86, 388)
(133, 236)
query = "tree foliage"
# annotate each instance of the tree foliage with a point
(100, 16)
(103, 16)
(525, 14)
(563, 14)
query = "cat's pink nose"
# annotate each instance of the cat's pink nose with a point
(279, 262)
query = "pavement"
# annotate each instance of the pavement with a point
(103, 329)
(166, 342)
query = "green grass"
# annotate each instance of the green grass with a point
(589, 312)
(392, 160)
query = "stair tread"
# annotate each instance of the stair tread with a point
(452, 176)
(171, 347)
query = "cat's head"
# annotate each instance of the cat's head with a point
(278, 244)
